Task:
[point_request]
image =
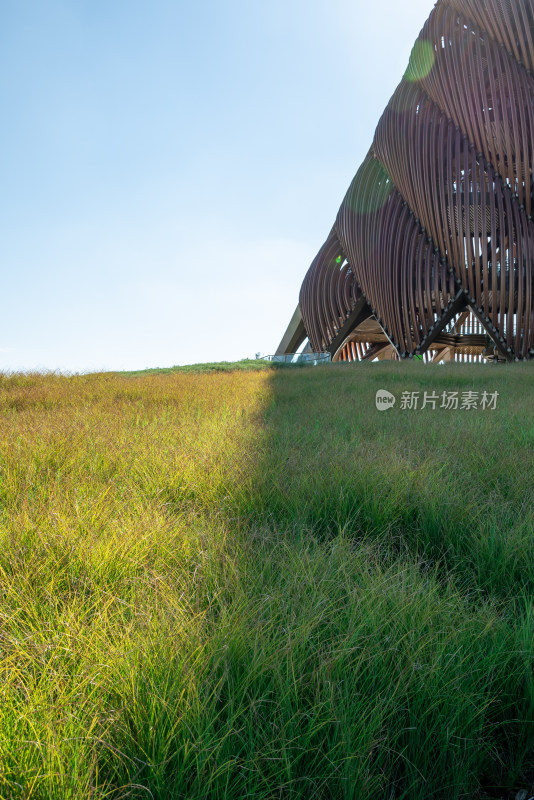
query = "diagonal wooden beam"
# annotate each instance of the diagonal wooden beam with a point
(294, 335)
(359, 313)
(440, 355)
(460, 321)
(457, 305)
(375, 350)
(492, 333)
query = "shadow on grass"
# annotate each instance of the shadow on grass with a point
(257, 585)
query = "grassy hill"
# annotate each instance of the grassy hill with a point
(246, 364)
(254, 584)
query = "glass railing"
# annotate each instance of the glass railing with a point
(299, 358)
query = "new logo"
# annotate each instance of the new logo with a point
(384, 400)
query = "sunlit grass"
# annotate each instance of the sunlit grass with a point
(253, 584)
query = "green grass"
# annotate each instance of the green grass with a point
(252, 584)
(219, 366)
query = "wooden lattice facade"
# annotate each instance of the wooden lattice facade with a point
(432, 250)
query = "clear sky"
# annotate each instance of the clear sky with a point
(169, 168)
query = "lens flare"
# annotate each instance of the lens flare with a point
(421, 61)
(370, 188)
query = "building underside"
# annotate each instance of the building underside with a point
(432, 250)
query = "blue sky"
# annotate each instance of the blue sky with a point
(169, 169)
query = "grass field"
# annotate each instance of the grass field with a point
(252, 584)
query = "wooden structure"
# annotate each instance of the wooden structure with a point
(432, 250)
